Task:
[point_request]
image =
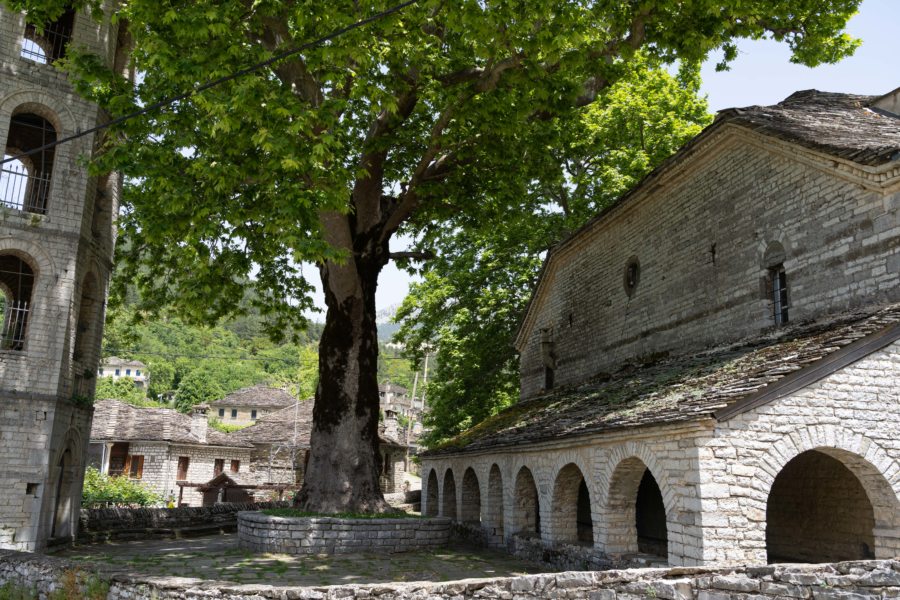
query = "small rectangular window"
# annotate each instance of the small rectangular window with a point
(118, 372)
(183, 464)
(234, 413)
(137, 373)
(235, 466)
(218, 467)
(101, 372)
(252, 414)
(136, 469)
(779, 298)
(128, 371)
(221, 412)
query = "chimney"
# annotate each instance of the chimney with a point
(889, 103)
(199, 424)
(391, 426)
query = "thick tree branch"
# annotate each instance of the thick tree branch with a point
(276, 36)
(412, 255)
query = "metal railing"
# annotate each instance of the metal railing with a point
(15, 318)
(22, 191)
(46, 47)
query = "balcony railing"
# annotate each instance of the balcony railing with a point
(15, 318)
(21, 191)
(48, 46)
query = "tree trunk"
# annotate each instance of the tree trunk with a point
(344, 461)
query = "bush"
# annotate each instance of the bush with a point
(103, 490)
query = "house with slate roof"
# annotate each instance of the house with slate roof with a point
(164, 448)
(710, 368)
(246, 405)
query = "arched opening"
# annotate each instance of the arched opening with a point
(819, 511)
(471, 498)
(62, 516)
(635, 516)
(526, 506)
(47, 44)
(87, 326)
(448, 506)
(25, 183)
(494, 508)
(431, 498)
(572, 507)
(17, 285)
(650, 517)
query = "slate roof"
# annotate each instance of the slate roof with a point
(117, 421)
(841, 125)
(278, 428)
(678, 390)
(257, 396)
(115, 361)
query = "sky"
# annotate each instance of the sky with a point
(762, 74)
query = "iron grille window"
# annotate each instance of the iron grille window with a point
(48, 44)
(778, 278)
(25, 182)
(16, 284)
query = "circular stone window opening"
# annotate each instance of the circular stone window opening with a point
(632, 275)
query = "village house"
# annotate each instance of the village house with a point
(246, 405)
(710, 368)
(163, 448)
(180, 457)
(118, 368)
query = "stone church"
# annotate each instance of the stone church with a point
(56, 242)
(710, 368)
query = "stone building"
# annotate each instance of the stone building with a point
(710, 367)
(281, 448)
(119, 368)
(164, 448)
(56, 241)
(246, 405)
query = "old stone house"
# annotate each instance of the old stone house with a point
(710, 368)
(56, 242)
(280, 444)
(163, 447)
(119, 368)
(246, 405)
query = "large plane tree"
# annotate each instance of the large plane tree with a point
(444, 108)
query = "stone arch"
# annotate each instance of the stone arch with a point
(526, 514)
(571, 507)
(36, 257)
(470, 510)
(39, 102)
(431, 494)
(25, 184)
(877, 473)
(635, 512)
(68, 469)
(448, 496)
(17, 281)
(493, 513)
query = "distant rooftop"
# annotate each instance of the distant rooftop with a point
(115, 361)
(257, 396)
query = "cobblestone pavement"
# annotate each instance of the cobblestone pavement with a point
(219, 558)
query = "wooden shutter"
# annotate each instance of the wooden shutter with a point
(183, 463)
(235, 466)
(136, 470)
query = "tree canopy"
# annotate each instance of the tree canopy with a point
(435, 116)
(474, 292)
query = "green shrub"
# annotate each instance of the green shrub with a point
(102, 490)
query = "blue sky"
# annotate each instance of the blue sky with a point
(763, 74)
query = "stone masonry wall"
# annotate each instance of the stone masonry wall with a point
(118, 523)
(877, 580)
(715, 477)
(704, 233)
(852, 416)
(258, 532)
(44, 422)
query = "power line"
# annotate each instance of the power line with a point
(135, 351)
(210, 84)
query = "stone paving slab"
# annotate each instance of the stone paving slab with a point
(219, 558)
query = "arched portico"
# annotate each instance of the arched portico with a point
(571, 508)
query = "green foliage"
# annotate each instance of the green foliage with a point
(198, 386)
(100, 490)
(469, 305)
(218, 425)
(123, 389)
(12, 591)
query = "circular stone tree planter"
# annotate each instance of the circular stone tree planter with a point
(259, 532)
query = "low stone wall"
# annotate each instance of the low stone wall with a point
(99, 524)
(566, 557)
(876, 579)
(331, 535)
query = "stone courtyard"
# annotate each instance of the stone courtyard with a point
(218, 558)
